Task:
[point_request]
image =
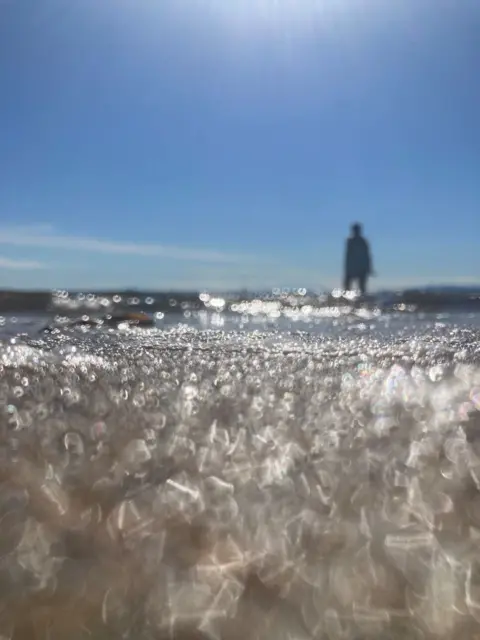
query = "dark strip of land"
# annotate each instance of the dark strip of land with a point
(39, 302)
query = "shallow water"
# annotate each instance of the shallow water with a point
(229, 478)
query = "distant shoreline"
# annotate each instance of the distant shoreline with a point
(32, 301)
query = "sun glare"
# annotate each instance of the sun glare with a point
(240, 27)
(283, 17)
(254, 13)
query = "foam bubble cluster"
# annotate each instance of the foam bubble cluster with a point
(185, 484)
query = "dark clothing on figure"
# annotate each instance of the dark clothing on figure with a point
(357, 263)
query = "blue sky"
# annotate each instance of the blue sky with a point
(215, 143)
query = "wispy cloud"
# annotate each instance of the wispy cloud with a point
(44, 237)
(21, 265)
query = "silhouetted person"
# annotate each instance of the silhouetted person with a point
(358, 263)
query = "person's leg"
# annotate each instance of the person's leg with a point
(347, 282)
(362, 280)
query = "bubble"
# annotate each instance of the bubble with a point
(136, 454)
(475, 397)
(99, 430)
(138, 400)
(73, 443)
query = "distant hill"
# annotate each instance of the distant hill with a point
(449, 288)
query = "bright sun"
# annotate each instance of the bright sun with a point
(285, 16)
(289, 24)
(269, 13)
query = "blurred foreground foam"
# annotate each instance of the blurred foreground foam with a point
(232, 485)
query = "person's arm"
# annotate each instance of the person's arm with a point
(348, 250)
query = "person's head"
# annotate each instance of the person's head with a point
(356, 229)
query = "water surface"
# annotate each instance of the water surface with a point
(229, 477)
